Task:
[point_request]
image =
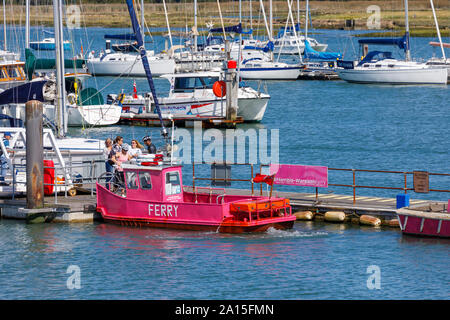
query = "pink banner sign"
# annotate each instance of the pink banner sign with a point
(299, 175)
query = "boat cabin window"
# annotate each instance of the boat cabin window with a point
(173, 185)
(188, 84)
(4, 74)
(132, 180)
(145, 180)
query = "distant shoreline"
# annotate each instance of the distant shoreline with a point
(324, 14)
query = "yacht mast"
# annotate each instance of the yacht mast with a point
(144, 58)
(195, 25)
(4, 25)
(407, 49)
(27, 25)
(270, 20)
(306, 19)
(437, 29)
(142, 21)
(60, 81)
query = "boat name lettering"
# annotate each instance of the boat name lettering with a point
(162, 210)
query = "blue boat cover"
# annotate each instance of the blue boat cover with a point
(376, 55)
(128, 36)
(23, 93)
(402, 42)
(236, 29)
(269, 47)
(310, 53)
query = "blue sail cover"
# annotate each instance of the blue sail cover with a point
(269, 47)
(310, 53)
(375, 56)
(402, 42)
(120, 36)
(236, 29)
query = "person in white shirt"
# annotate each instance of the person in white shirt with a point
(135, 150)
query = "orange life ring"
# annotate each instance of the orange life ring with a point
(219, 89)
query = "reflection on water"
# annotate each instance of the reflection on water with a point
(313, 261)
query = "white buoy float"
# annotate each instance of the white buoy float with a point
(304, 215)
(335, 216)
(369, 220)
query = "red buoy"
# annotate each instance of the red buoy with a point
(219, 89)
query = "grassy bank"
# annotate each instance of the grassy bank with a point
(325, 14)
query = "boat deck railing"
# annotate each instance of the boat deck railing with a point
(405, 181)
(61, 185)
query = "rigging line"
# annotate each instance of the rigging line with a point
(118, 77)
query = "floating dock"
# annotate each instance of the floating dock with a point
(152, 120)
(319, 207)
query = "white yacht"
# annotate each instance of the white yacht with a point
(380, 67)
(256, 69)
(191, 93)
(127, 64)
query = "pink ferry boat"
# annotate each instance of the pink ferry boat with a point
(153, 196)
(425, 221)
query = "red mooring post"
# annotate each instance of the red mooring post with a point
(34, 154)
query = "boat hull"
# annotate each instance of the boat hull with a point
(406, 76)
(250, 108)
(204, 215)
(94, 115)
(424, 224)
(262, 227)
(47, 46)
(158, 67)
(289, 73)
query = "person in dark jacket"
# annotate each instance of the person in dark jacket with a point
(151, 148)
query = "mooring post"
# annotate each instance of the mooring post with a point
(34, 155)
(232, 84)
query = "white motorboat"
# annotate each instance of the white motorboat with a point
(127, 64)
(191, 93)
(255, 69)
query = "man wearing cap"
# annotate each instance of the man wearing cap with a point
(150, 146)
(3, 160)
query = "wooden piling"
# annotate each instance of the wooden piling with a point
(34, 155)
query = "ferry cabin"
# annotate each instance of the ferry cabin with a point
(12, 74)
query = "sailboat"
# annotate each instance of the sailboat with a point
(381, 67)
(442, 62)
(127, 63)
(289, 38)
(259, 69)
